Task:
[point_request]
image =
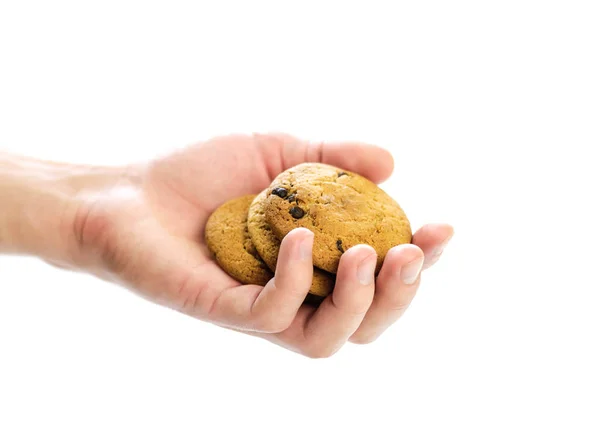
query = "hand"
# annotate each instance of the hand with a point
(144, 229)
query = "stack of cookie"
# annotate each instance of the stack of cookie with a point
(341, 208)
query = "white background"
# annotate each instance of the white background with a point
(492, 111)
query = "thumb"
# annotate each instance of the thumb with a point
(282, 151)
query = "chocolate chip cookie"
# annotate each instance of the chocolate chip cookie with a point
(228, 239)
(267, 246)
(342, 208)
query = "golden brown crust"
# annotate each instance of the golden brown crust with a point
(228, 239)
(267, 246)
(343, 209)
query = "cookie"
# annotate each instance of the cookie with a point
(228, 239)
(267, 246)
(343, 209)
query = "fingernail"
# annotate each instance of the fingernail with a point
(439, 249)
(410, 272)
(305, 247)
(366, 270)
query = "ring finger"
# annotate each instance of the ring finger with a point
(340, 314)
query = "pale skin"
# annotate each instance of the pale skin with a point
(142, 226)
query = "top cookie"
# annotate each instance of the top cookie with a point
(343, 209)
(228, 239)
(267, 245)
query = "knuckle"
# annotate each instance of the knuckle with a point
(399, 301)
(363, 339)
(355, 307)
(399, 307)
(270, 323)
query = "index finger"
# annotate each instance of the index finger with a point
(282, 151)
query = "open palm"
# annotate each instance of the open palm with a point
(146, 231)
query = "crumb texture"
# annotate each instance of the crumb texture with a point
(228, 239)
(343, 209)
(267, 244)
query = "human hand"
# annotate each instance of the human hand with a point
(143, 228)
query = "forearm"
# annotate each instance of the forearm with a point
(38, 201)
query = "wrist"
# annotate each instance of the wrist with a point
(40, 201)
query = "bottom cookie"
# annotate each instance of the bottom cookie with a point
(228, 239)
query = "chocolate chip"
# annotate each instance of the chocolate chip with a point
(296, 212)
(291, 198)
(280, 192)
(339, 245)
(341, 174)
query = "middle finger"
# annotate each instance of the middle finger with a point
(397, 285)
(341, 314)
